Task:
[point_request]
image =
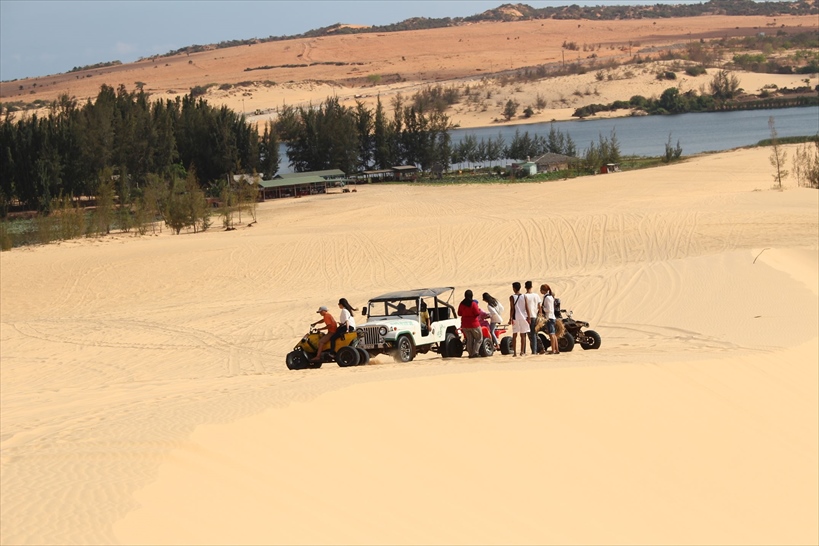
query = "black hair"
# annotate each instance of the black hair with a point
(489, 299)
(528, 285)
(345, 304)
(516, 286)
(468, 299)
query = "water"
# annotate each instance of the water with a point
(647, 135)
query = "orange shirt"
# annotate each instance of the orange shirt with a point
(331, 323)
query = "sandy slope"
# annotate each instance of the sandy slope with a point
(145, 397)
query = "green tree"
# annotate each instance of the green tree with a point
(269, 151)
(104, 210)
(778, 157)
(724, 85)
(510, 109)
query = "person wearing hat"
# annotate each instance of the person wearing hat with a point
(330, 325)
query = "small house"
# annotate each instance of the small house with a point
(551, 162)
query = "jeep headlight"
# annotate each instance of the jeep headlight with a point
(359, 332)
(382, 331)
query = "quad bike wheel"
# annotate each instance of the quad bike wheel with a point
(347, 356)
(453, 347)
(487, 347)
(592, 340)
(297, 360)
(403, 349)
(363, 356)
(506, 345)
(565, 343)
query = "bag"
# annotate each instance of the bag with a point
(560, 329)
(540, 322)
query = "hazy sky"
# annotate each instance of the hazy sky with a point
(41, 37)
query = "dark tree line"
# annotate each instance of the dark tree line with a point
(64, 152)
(522, 145)
(333, 136)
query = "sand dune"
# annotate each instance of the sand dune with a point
(304, 71)
(145, 397)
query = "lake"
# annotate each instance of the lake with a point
(647, 135)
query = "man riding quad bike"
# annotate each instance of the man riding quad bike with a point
(346, 353)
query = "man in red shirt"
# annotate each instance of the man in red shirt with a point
(330, 325)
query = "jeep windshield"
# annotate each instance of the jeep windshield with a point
(409, 303)
(407, 308)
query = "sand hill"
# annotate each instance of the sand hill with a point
(261, 77)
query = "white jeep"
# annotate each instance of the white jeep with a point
(396, 326)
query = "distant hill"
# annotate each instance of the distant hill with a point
(523, 12)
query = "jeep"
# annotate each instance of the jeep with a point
(394, 324)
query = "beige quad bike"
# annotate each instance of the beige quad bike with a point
(347, 353)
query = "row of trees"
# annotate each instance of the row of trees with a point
(723, 87)
(333, 136)
(64, 152)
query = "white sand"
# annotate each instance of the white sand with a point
(145, 397)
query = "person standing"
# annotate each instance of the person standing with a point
(549, 313)
(518, 318)
(470, 314)
(532, 306)
(495, 309)
(330, 325)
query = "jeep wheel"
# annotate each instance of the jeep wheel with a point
(363, 356)
(565, 343)
(487, 347)
(296, 360)
(403, 349)
(506, 345)
(347, 356)
(591, 340)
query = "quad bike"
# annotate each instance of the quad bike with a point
(588, 339)
(346, 354)
(506, 348)
(456, 345)
(574, 333)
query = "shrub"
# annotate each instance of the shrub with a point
(697, 70)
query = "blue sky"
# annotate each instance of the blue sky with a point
(42, 37)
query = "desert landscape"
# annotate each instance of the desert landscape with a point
(145, 398)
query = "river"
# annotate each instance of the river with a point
(647, 135)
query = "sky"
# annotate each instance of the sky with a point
(43, 37)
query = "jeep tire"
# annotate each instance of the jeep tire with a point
(404, 351)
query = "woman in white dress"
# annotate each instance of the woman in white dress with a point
(518, 318)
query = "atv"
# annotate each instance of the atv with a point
(588, 339)
(346, 354)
